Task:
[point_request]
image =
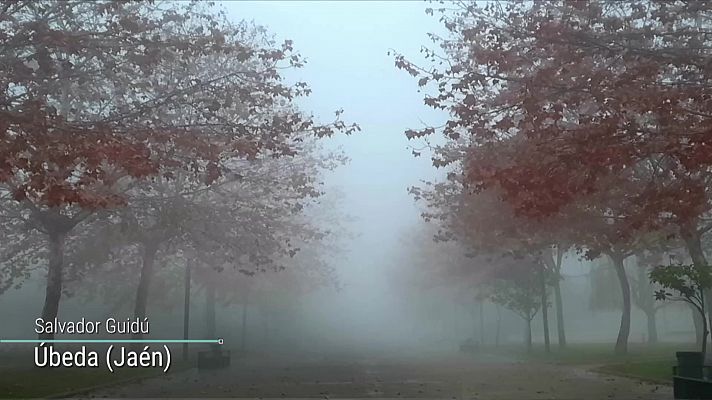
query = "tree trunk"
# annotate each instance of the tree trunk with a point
(53, 292)
(693, 241)
(210, 322)
(482, 323)
(644, 297)
(186, 309)
(243, 336)
(705, 334)
(560, 329)
(705, 330)
(528, 334)
(499, 323)
(475, 329)
(697, 322)
(652, 325)
(144, 283)
(210, 327)
(555, 264)
(265, 331)
(624, 331)
(545, 310)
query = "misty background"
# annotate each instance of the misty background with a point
(377, 304)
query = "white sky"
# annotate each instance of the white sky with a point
(346, 45)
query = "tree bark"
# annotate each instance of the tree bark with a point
(499, 323)
(482, 323)
(624, 331)
(693, 241)
(545, 310)
(53, 291)
(705, 330)
(210, 322)
(652, 325)
(243, 336)
(560, 329)
(147, 270)
(644, 298)
(186, 309)
(210, 327)
(475, 329)
(528, 334)
(265, 331)
(555, 265)
(697, 322)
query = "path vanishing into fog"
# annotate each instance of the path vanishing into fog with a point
(454, 377)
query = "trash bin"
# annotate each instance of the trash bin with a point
(689, 364)
(213, 359)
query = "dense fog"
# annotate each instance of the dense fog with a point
(351, 184)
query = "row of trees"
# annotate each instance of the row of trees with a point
(573, 126)
(140, 134)
(484, 282)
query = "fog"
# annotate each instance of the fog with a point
(440, 226)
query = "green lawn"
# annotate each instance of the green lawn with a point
(659, 371)
(647, 362)
(595, 353)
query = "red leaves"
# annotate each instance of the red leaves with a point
(19, 194)
(212, 173)
(412, 134)
(469, 100)
(597, 115)
(130, 23)
(71, 128)
(587, 104)
(402, 63)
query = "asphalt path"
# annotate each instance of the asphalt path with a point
(380, 376)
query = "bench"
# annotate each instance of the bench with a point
(689, 387)
(468, 348)
(213, 359)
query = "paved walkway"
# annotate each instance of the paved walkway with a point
(457, 377)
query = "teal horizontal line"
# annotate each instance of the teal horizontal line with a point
(213, 341)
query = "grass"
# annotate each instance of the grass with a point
(651, 363)
(658, 371)
(595, 353)
(18, 380)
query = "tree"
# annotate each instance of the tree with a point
(644, 290)
(516, 289)
(91, 105)
(22, 248)
(554, 258)
(483, 223)
(240, 227)
(688, 283)
(596, 106)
